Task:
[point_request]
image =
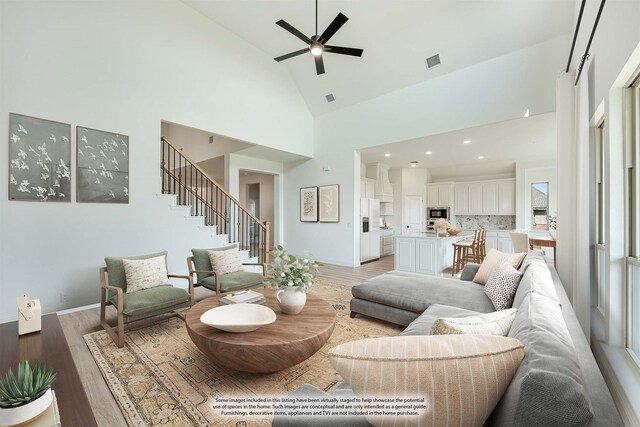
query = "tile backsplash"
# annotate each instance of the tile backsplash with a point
(490, 222)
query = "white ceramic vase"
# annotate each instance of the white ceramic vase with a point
(291, 299)
(24, 413)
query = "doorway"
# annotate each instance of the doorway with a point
(257, 194)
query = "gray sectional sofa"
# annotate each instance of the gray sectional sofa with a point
(558, 382)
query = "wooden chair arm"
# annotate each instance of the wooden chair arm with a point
(204, 271)
(178, 276)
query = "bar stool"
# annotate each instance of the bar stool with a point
(473, 251)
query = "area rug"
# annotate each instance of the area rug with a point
(160, 377)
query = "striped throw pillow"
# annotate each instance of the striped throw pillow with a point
(496, 323)
(460, 377)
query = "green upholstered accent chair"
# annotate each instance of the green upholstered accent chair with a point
(201, 273)
(134, 306)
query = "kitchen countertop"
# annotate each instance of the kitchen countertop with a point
(462, 235)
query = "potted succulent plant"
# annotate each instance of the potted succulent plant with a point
(26, 395)
(293, 276)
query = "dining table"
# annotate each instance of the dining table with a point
(547, 242)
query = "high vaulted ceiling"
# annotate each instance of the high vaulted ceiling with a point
(396, 35)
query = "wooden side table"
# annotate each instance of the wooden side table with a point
(546, 242)
(49, 346)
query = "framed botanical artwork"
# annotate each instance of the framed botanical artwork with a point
(309, 204)
(102, 160)
(329, 203)
(40, 159)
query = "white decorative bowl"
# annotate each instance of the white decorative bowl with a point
(238, 317)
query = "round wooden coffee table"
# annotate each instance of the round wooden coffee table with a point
(284, 343)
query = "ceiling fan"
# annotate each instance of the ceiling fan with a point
(317, 43)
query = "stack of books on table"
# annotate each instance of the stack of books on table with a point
(243, 297)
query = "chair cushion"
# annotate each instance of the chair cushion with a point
(201, 260)
(152, 299)
(115, 269)
(234, 281)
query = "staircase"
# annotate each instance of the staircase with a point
(205, 198)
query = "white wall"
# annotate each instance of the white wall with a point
(195, 143)
(526, 174)
(495, 90)
(124, 67)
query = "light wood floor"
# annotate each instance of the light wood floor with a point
(75, 325)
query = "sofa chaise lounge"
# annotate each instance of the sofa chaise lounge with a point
(558, 382)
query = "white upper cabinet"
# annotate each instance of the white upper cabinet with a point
(507, 197)
(439, 195)
(490, 202)
(367, 188)
(461, 199)
(485, 198)
(475, 199)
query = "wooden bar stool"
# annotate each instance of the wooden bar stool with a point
(473, 251)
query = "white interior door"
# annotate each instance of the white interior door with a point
(413, 219)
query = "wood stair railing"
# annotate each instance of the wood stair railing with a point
(194, 187)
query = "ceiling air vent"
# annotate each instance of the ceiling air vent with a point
(432, 61)
(211, 139)
(330, 98)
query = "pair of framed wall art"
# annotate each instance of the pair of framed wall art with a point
(320, 203)
(40, 162)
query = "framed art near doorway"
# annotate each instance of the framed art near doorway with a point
(329, 203)
(309, 204)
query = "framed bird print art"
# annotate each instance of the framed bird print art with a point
(102, 166)
(39, 159)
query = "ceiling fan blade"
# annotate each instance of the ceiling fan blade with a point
(291, 55)
(344, 50)
(294, 31)
(332, 28)
(319, 64)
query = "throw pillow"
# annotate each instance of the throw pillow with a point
(145, 273)
(502, 285)
(496, 323)
(491, 260)
(458, 378)
(224, 262)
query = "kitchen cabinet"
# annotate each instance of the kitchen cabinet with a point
(490, 202)
(439, 195)
(405, 254)
(367, 188)
(461, 199)
(426, 256)
(507, 197)
(496, 197)
(386, 242)
(492, 241)
(475, 199)
(420, 253)
(505, 244)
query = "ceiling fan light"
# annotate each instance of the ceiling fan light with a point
(316, 49)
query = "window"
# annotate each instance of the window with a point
(632, 162)
(540, 206)
(600, 251)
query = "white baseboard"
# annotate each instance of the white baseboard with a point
(76, 309)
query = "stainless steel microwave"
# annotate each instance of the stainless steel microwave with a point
(437, 213)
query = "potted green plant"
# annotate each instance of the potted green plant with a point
(293, 276)
(26, 395)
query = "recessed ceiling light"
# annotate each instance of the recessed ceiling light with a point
(387, 154)
(466, 141)
(526, 113)
(428, 153)
(480, 157)
(413, 165)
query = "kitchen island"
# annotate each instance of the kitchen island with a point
(425, 253)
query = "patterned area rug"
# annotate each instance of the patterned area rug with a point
(160, 377)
